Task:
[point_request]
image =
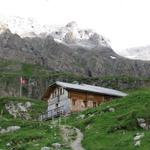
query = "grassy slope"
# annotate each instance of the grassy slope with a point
(100, 135)
(17, 69)
(99, 125)
(33, 134)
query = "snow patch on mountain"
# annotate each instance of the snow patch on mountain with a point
(141, 53)
(112, 57)
(69, 34)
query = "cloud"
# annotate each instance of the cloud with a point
(125, 22)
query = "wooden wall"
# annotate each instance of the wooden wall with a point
(77, 100)
(83, 100)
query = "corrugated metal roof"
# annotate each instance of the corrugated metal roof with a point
(91, 88)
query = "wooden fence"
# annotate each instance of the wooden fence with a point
(57, 112)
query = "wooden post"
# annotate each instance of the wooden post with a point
(52, 117)
(20, 87)
(29, 87)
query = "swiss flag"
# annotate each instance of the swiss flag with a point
(23, 80)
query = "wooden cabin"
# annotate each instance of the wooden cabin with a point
(68, 97)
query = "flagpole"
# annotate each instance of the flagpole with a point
(21, 86)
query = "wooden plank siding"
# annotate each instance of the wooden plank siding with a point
(83, 100)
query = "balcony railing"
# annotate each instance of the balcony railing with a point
(52, 113)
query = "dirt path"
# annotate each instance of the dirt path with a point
(76, 144)
(73, 137)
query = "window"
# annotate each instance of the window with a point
(58, 91)
(52, 95)
(73, 102)
(94, 104)
(55, 93)
(61, 92)
(85, 103)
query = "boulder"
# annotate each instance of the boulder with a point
(45, 148)
(140, 120)
(19, 109)
(143, 124)
(8, 144)
(111, 109)
(137, 139)
(82, 116)
(13, 128)
(9, 129)
(56, 145)
(137, 143)
(28, 104)
(139, 136)
(3, 131)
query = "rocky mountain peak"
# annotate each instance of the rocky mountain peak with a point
(70, 34)
(3, 28)
(72, 25)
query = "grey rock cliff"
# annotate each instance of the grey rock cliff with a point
(97, 61)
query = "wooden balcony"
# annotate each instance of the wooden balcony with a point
(57, 112)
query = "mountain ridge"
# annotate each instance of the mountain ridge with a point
(95, 61)
(70, 34)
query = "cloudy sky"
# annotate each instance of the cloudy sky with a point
(125, 22)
